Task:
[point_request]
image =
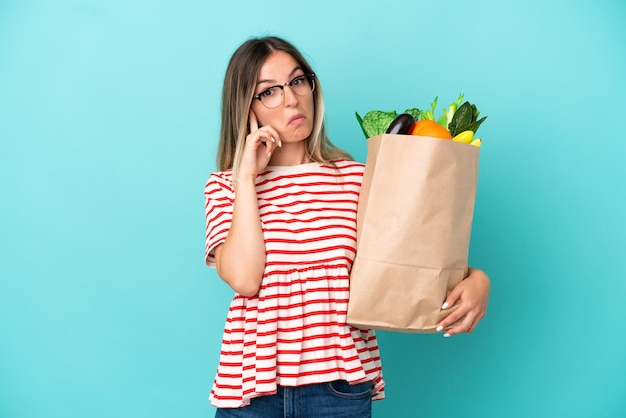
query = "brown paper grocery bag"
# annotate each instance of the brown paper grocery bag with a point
(414, 223)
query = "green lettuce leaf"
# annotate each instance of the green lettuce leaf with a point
(376, 122)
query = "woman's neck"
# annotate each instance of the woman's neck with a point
(290, 154)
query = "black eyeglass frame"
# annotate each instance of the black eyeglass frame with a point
(310, 77)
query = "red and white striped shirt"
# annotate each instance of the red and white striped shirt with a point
(294, 331)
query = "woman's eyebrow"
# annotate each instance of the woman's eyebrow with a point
(274, 81)
(295, 70)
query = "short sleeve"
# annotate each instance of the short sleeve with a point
(219, 198)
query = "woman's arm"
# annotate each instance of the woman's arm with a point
(240, 259)
(473, 295)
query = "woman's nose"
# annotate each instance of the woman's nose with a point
(291, 98)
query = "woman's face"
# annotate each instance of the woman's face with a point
(293, 118)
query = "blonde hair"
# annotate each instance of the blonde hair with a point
(239, 85)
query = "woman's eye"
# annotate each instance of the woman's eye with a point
(297, 81)
(267, 92)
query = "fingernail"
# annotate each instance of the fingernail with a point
(272, 138)
(280, 143)
(269, 154)
(446, 335)
(445, 305)
(439, 328)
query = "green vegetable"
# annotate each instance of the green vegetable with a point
(376, 122)
(474, 125)
(449, 112)
(430, 114)
(447, 115)
(360, 119)
(465, 119)
(462, 117)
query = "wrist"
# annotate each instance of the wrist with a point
(245, 180)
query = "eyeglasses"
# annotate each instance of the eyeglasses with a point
(273, 96)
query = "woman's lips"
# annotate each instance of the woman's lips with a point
(296, 119)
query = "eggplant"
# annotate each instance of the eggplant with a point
(401, 125)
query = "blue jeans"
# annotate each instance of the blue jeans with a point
(336, 399)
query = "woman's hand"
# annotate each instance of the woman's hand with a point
(260, 144)
(473, 295)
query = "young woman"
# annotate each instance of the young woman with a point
(281, 231)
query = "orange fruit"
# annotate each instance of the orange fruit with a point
(428, 127)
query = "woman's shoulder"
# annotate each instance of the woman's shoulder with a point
(220, 180)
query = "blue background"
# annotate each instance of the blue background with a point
(109, 118)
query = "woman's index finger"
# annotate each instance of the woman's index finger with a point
(254, 123)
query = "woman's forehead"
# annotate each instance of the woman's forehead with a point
(278, 66)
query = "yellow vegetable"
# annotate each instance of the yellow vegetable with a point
(476, 142)
(464, 137)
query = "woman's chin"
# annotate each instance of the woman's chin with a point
(295, 137)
